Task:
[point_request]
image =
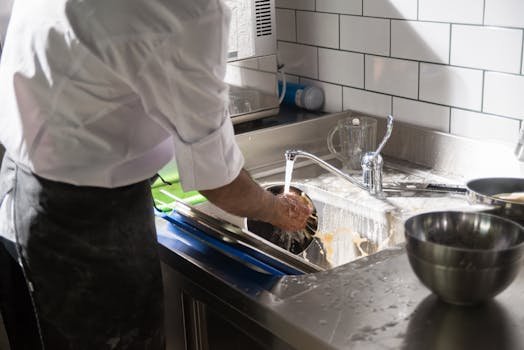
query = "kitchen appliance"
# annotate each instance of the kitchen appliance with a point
(252, 64)
(252, 29)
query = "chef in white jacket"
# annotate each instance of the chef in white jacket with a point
(97, 96)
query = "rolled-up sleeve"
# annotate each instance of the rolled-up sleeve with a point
(210, 162)
(181, 86)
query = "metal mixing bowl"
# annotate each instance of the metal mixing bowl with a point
(464, 257)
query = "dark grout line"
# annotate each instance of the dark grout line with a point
(406, 19)
(522, 55)
(364, 82)
(418, 87)
(483, 12)
(450, 39)
(339, 30)
(390, 36)
(405, 59)
(411, 99)
(449, 120)
(296, 26)
(392, 112)
(318, 63)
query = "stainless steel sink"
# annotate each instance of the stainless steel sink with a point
(352, 223)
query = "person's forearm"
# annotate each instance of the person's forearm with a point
(243, 197)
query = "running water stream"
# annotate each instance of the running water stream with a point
(289, 172)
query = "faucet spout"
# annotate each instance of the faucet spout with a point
(293, 154)
(371, 165)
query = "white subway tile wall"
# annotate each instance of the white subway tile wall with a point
(508, 13)
(489, 48)
(341, 67)
(451, 11)
(298, 59)
(350, 7)
(316, 28)
(504, 94)
(452, 86)
(406, 9)
(366, 101)
(286, 25)
(409, 39)
(391, 76)
(361, 34)
(296, 4)
(484, 126)
(453, 66)
(425, 114)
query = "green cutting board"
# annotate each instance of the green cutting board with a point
(167, 191)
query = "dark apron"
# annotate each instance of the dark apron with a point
(90, 260)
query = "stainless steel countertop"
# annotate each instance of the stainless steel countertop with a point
(379, 304)
(375, 302)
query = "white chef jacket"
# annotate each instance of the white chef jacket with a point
(104, 92)
(5, 13)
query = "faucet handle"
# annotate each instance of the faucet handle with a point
(389, 130)
(372, 163)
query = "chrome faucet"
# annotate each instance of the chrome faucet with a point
(292, 154)
(372, 163)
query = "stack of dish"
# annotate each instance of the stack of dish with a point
(469, 257)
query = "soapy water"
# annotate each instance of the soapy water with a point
(347, 235)
(351, 224)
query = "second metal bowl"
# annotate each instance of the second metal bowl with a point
(464, 257)
(484, 191)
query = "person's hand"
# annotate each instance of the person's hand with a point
(291, 212)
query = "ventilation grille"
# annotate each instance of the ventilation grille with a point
(263, 17)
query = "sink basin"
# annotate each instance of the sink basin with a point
(352, 223)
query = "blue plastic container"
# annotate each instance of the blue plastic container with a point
(303, 96)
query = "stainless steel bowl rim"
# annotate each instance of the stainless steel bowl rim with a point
(479, 197)
(410, 252)
(469, 250)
